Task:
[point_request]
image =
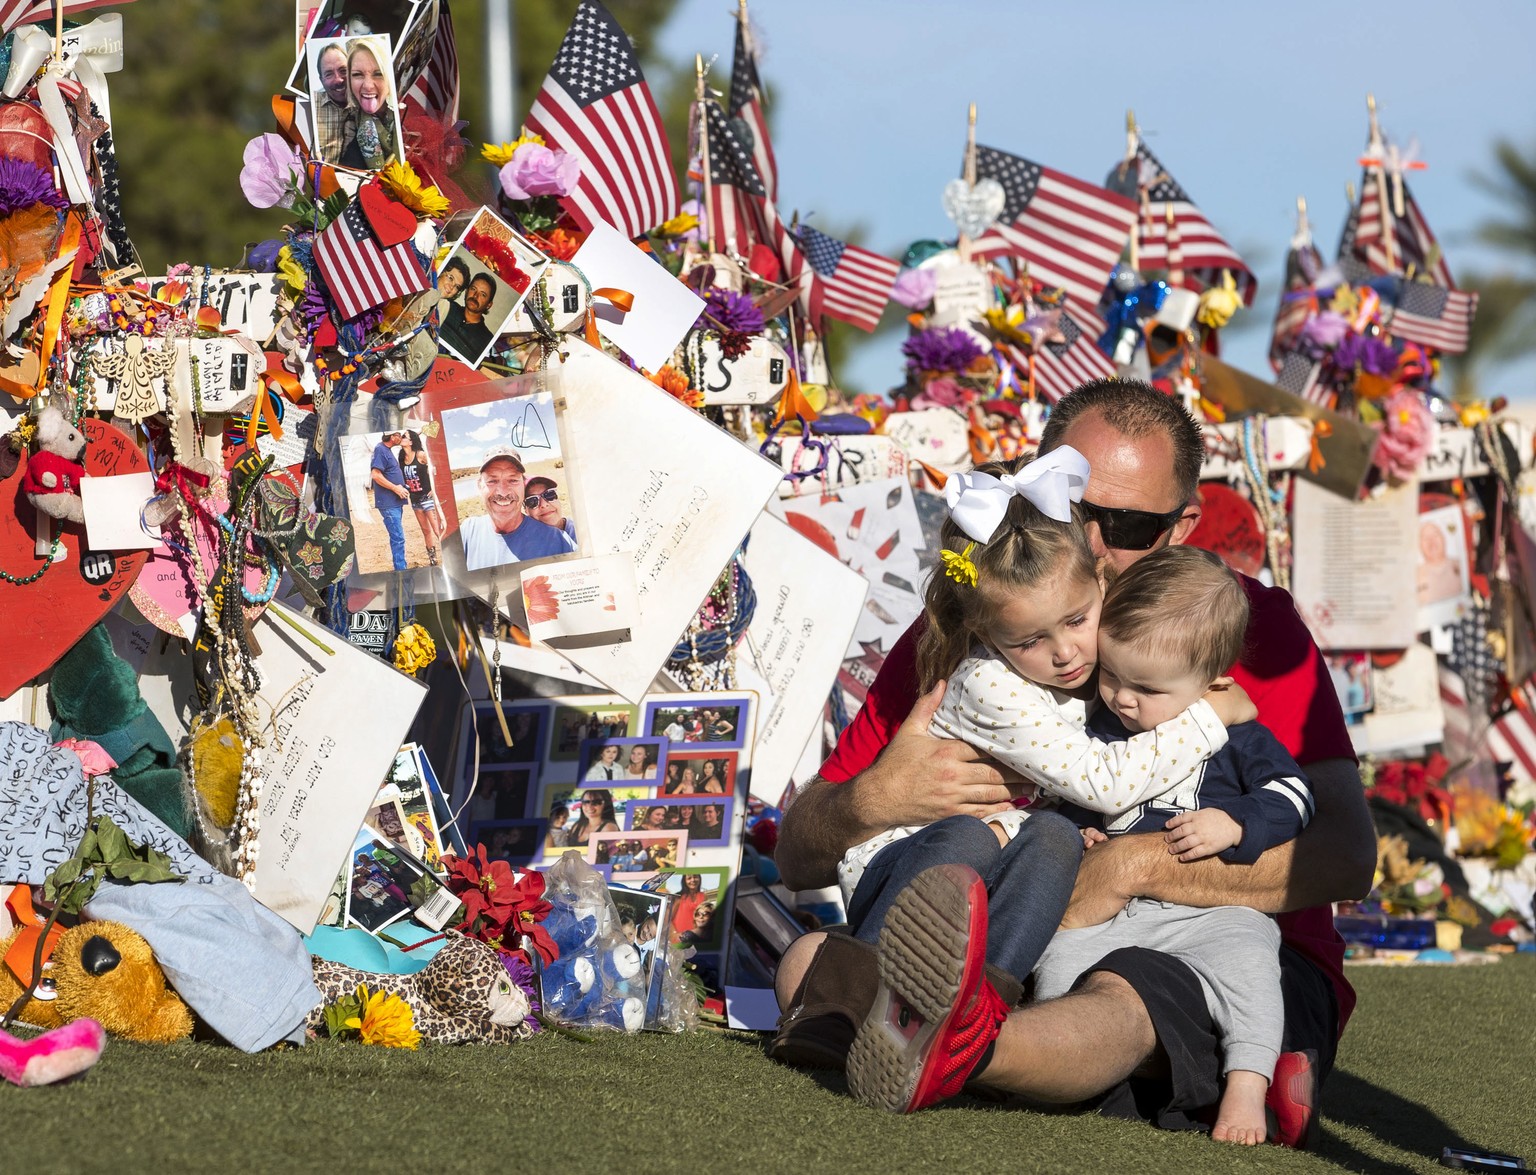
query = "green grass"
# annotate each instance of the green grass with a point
(1433, 1057)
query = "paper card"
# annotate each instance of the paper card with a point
(1444, 589)
(581, 598)
(483, 280)
(934, 436)
(163, 668)
(960, 294)
(1354, 575)
(678, 500)
(1407, 709)
(664, 309)
(321, 769)
(114, 512)
(823, 465)
(808, 606)
(757, 376)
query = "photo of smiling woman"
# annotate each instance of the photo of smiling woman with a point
(366, 135)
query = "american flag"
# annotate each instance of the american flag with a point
(855, 283)
(1301, 376)
(1204, 251)
(1412, 241)
(1471, 734)
(1302, 265)
(1433, 316)
(437, 89)
(740, 213)
(18, 12)
(596, 104)
(1070, 232)
(746, 105)
(359, 273)
(1060, 367)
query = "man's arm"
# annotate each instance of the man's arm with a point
(1334, 859)
(380, 480)
(916, 780)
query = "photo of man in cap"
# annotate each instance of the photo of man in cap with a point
(505, 533)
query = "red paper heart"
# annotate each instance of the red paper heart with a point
(392, 222)
(1230, 527)
(43, 619)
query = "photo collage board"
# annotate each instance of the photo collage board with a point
(652, 795)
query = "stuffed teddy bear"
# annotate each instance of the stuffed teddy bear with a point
(54, 472)
(101, 971)
(54, 1056)
(463, 996)
(596, 981)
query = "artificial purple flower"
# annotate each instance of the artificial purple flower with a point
(1365, 353)
(311, 308)
(914, 287)
(941, 349)
(732, 313)
(272, 169)
(1322, 333)
(535, 170)
(522, 974)
(24, 184)
(263, 257)
(943, 392)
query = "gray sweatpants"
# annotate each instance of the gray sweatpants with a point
(1233, 950)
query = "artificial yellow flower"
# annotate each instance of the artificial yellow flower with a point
(401, 181)
(414, 649)
(1345, 301)
(1219, 303)
(291, 271)
(681, 223)
(958, 565)
(387, 1020)
(1007, 325)
(502, 155)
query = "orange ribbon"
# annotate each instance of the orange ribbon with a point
(623, 299)
(286, 381)
(284, 111)
(262, 411)
(1321, 430)
(18, 958)
(793, 403)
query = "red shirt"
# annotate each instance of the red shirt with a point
(1284, 674)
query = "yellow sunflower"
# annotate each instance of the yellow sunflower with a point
(681, 223)
(386, 1020)
(291, 271)
(401, 181)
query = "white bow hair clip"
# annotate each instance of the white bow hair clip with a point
(978, 502)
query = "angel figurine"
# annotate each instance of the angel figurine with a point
(134, 368)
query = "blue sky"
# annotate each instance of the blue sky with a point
(1248, 105)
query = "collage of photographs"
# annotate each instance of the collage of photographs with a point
(650, 795)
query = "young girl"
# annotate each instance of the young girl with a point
(1012, 624)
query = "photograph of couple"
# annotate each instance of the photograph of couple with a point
(389, 475)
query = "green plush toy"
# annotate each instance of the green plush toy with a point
(94, 695)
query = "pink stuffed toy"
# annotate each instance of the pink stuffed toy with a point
(54, 1056)
(54, 472)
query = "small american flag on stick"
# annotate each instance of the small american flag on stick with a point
(359, 272)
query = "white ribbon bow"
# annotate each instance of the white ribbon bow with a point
(978, 502)
(89, 51)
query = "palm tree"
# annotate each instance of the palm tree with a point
(1505, 327)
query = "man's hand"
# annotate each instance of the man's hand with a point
(1106, 880)
(917, 779)
(402, 493)
(1231, 702)
(920, 778)
(1192, 836)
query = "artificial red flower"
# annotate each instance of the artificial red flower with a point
(500, 907)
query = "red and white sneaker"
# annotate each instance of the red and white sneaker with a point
(1292, 1099)
(935, 1013)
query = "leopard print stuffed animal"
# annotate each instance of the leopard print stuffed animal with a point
(463, 996)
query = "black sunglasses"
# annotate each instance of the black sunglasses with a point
(533, 500)
(1130, 530)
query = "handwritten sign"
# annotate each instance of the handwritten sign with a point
(321, 771)
(1407, 710)
(225, 378)
(830, 464)
(934, 436)
(961, 293)
(1354, 578)
(1458, 454)
(1287, 445)
(808, 604)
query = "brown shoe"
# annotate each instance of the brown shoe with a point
(817, 1029)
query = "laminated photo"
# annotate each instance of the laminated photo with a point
(511, 487)
(483, 279)
(354, 104)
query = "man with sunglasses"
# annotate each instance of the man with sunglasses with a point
(1133, 1038)
(504, 533)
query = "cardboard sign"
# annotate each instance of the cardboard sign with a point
(1287, 445)
(321, 771)
(828, 464)
(229, 369)
(757, 376)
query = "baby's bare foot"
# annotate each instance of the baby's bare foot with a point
(1240, 1118)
